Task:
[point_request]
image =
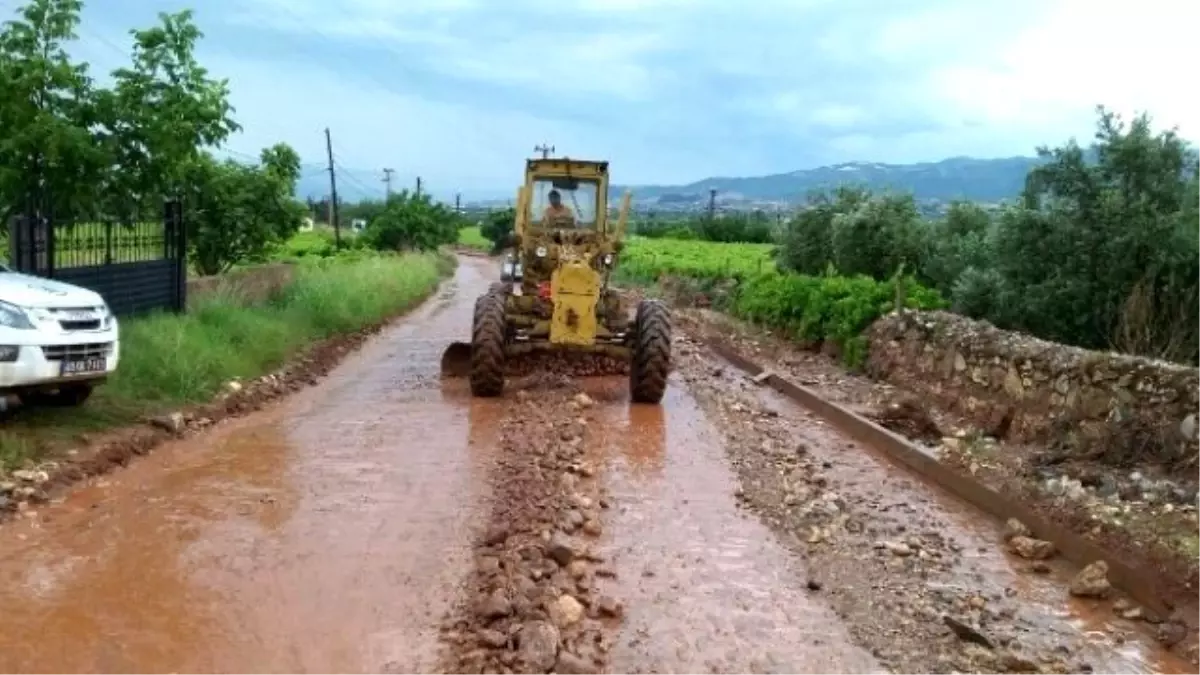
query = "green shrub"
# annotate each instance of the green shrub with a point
(827, 308)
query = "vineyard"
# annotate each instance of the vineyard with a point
(648, 259)
(829, 308)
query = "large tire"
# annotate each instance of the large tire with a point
(487, 345)
(651, 352)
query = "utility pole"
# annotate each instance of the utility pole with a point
(712, 204)
(387, 181)
(418, 186)
(333, 201)
(544, 149)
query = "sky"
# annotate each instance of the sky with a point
(672, 91)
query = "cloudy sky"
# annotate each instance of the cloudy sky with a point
(459, 91)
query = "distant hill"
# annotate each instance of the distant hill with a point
(954, 178)
(986, 180)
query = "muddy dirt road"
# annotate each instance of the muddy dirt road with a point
(384, 520)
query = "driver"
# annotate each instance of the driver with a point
(557, 213)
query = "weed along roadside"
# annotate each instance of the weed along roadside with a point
(191, 369)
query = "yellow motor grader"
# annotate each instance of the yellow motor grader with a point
(567, 249)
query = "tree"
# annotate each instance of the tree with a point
(48, 152)
(163, 110)
(877, 237)
(498, 228)
(960, 241)
(238, 211)
(806, 246)
(412, 222)
(1096, 240)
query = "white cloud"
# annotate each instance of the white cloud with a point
(1051, 74)
(677, 89)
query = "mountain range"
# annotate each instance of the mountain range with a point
(955, 178)
(968, 178)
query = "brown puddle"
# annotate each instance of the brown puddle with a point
(326, 534)
(707, 588)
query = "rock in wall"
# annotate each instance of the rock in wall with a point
(1026, 389)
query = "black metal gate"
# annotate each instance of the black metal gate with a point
(137, 266)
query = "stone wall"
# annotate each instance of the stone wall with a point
(1026, 389)
(253, 284)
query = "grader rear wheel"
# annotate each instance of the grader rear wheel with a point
(487, 345)
(651, 352)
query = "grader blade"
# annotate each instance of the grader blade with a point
(456, 360)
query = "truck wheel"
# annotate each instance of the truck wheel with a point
(487, 345)
(67, 396)
(651, 352)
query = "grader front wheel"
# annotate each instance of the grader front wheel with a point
(651, 352)
(487, 346)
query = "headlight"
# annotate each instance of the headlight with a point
(541, 251)
(12, 316)
(607, 259)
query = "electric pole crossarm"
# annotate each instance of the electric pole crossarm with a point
(387, 181)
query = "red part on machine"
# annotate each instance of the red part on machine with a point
(544, 290)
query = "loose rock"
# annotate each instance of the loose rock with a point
(1092, 581)
(539, 642)
(570, 663)
(561, 549)
(1015, 528)
(1030, 548)
(565, 611)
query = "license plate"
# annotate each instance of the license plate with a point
(95, 364)
(79, 316)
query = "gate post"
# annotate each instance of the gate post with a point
(29, 245)
(176, 240)
(16, 242)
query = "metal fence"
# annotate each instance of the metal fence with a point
(137, 265)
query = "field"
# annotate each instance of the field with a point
(471, 237)
(648, 259)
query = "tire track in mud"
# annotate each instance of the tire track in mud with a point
(530, 602)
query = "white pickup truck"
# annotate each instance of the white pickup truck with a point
(57, 341)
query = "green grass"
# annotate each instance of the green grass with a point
(471, 237)
(168, 361)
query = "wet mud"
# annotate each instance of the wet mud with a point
(327, 533)
(385, 520)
